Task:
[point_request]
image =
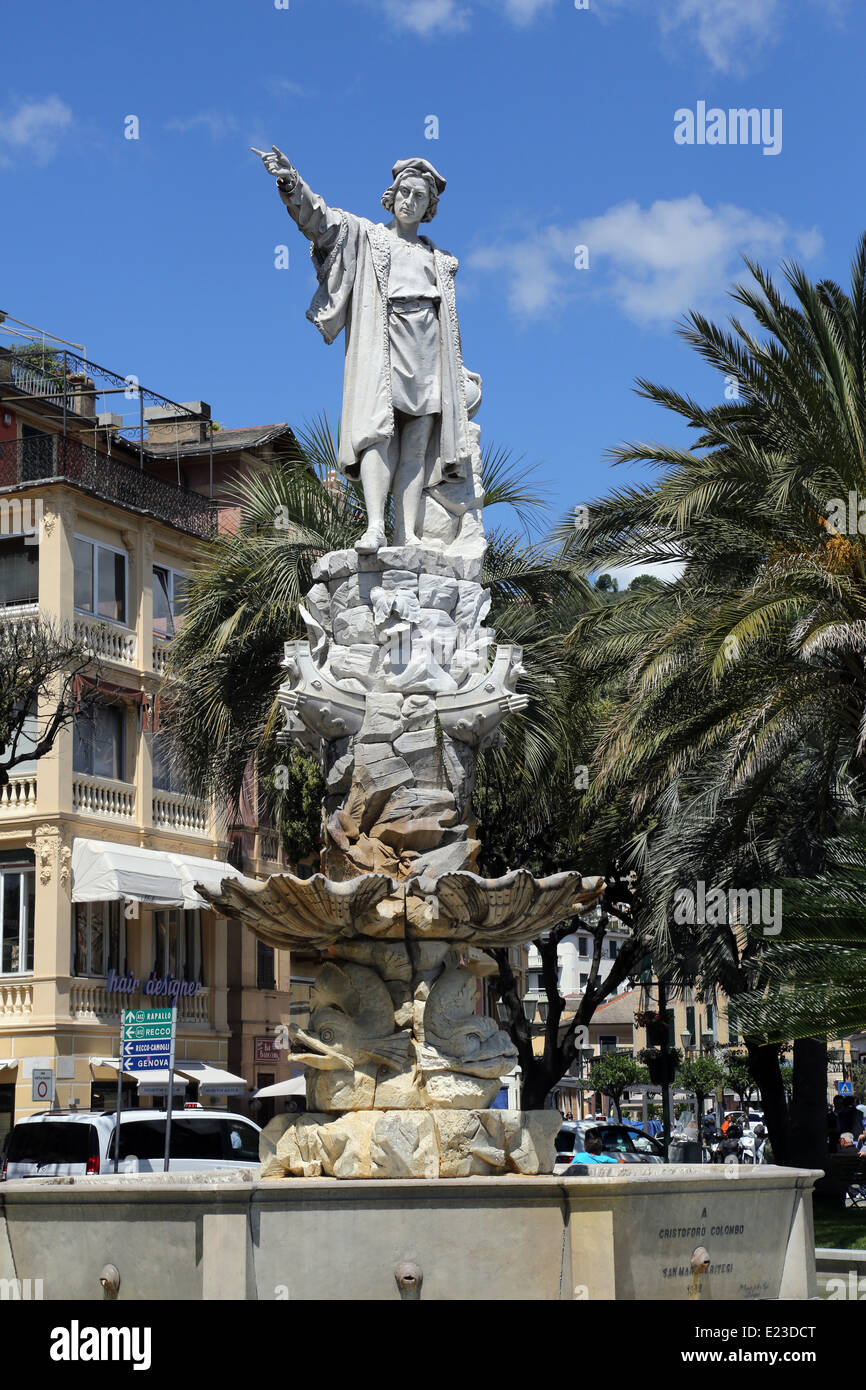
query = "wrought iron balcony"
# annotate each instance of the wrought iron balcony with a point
(54, 456)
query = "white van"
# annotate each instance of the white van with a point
(70, 1143)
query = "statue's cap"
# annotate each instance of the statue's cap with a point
(423, 166)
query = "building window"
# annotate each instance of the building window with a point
(19, 571)
(169, 599)
(265, 966)
(99, 939)
(166, 776)
(690, 1022)
(584, 980)
(98, 742)
(177, 946)
(711, 1019)
(100, 580)
(612, 949)
(583, 945)
(608, 1043)
(16, 921)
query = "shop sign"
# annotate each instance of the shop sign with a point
(266, 1050)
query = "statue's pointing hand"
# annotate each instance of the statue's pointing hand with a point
(275, 162)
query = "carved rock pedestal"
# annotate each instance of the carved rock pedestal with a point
(410, 1144)
(395, 694)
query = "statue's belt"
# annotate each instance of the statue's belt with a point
(409, 306)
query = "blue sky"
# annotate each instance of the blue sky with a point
(556, 128)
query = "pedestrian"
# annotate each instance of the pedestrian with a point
(592, 1151)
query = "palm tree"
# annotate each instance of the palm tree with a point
(749, 668)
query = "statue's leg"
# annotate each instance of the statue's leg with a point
(377, 469)
(409, 477)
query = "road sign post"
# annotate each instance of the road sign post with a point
(119, 1092)
(170, 1088)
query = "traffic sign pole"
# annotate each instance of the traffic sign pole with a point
(120, 1060)
(170, 1086)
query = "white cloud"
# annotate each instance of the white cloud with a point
(524, 11)
(731, 33)
(216, 123)
(655, 262)
(285, 86)
(34, 128)
(426, 17)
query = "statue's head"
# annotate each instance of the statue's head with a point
(413, 196)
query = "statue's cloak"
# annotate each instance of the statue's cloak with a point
(352, 257)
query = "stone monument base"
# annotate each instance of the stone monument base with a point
(410, 1144)
(627, 1232)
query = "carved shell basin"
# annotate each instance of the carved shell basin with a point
(294, 912)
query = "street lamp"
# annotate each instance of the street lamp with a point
(501, 1011)
(686, 1040)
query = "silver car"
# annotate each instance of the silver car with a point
(621, 1142)
(77, 1143)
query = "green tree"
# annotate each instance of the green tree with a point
(703, 1075)
(737, 1077)
(612, 1074)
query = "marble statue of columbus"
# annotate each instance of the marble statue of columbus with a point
(407, 398)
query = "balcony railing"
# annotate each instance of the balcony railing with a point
(29, 378)
(89, 999)
(195, 1009)
(184, 814)
(160, 656)
(15, 999)
(57, 456)
(99, 796)
(110, 643)
(18, 795)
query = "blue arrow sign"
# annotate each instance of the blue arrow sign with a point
(156, 1049)
(146, 1063)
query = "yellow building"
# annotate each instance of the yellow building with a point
(99, 539)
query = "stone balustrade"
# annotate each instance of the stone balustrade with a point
(106, 641)
(99, 796)
(90, 999)
(16, 998)
(160, 656)
(195, 1009)
(183, 813)
(18, 796)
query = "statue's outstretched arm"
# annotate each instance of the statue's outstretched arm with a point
(319, 223)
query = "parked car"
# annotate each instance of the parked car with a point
(622, 1142)
(70, 1143)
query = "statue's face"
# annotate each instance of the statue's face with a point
(411, 201)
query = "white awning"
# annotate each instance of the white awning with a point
(104, 871)
(149, 1083)
(7, 1063)
(295, 1086)
(212, 1081)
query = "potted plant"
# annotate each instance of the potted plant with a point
(662, 1066)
